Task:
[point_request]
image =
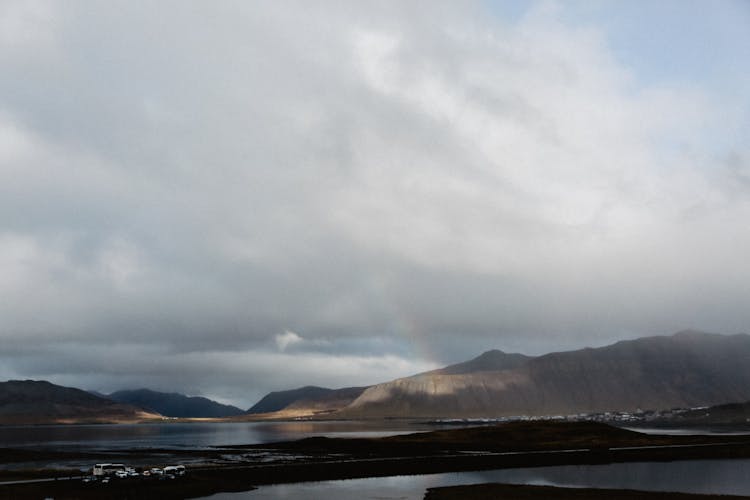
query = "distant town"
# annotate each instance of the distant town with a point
(611, 417)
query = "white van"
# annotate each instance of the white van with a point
(107, 469)
(175, 470)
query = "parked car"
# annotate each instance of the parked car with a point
(175, 470)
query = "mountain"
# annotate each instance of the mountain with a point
(312, 400)
(688, 369)
(174, 404)
(309, 400)
(493, 360)
(36, 402)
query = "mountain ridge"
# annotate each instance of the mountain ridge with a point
(492, 360)
(39, 401)
(686, 369)
(173, 404)
(689, 369)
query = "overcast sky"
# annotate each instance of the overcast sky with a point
(227, 198)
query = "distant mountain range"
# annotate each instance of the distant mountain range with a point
(174, 404)
(688, 369)
(32, 402)
(36, 402)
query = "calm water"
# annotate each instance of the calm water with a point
(202, 435)
(730, 477)
(190, 435)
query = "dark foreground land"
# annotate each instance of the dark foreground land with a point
(519, 444)
(493, 491)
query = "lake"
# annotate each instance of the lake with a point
(196, 435)
(729, 477)
(193, 435)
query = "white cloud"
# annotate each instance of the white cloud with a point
(286, 339)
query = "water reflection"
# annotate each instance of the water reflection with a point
(191, 435)
(729, 477)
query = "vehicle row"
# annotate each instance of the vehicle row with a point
(105, 472)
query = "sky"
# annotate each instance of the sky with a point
(229, 198)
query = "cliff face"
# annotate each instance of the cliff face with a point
(687, 369)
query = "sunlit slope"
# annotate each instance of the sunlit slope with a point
(687, 369)
(305, 401)
(319, 401)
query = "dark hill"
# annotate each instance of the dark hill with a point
(278, 400)
(34, 402)
(174, 404)
(730, 415)
(309, 399)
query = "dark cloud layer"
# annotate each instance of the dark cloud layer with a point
(227, 198)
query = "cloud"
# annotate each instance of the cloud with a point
(391, 181)
(25, 24)
(286, 339)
